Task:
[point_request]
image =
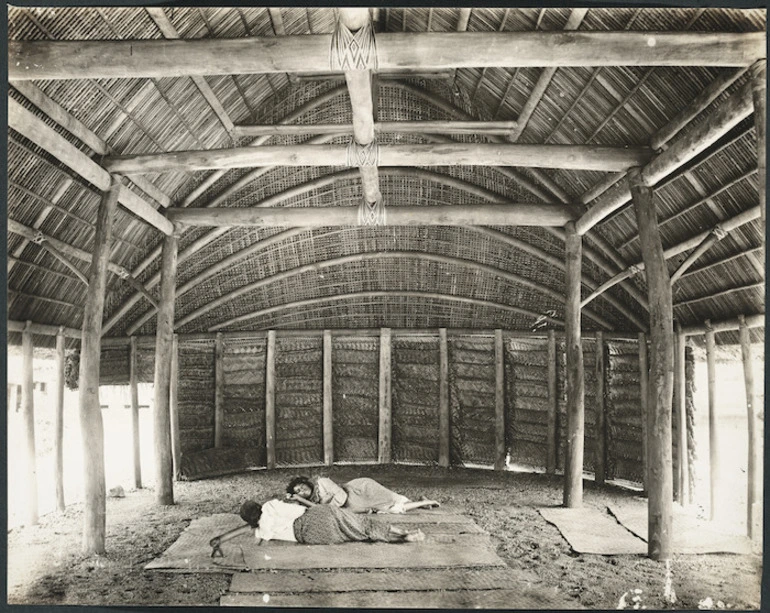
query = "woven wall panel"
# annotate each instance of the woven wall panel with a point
(196, 395)
(415, 401)
(624, 418)
(526, 401)
(218, 461)
(355, 398)
(472, 400)
(298, 401)
(243, 410)
(114, 365)
(145, 364)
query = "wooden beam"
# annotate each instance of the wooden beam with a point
(660, 478)
(699, 104)
(58, 441)
(28, 414)
(92, 430)
(600, 459)
(759, 99)
(35, 60)
(752, 321)
(359, 84)
(67, 249)
(573, 461)
(500, 451)
(133, 379)
(707, 243)
(328, 400)
(270, 400)
(219, 390)
(387, 294)
(752, 493)
(714, 464)
(176, 437)
(569, 157)
(385, 400)
(397, 127)
(514, 214)
(443, 399)
(552, 437)
(682, 150)
(722, 293)
(164, 461)
(32, 127)
(644, 396)
(63, 259)
(42, 329)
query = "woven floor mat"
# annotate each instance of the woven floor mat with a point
(533, 598)
(589, 530)
(451, 543)
(690, 534)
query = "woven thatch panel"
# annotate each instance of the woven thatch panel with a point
(114, 365)
(299, 400)
(526, 400)
(415, 400)
(220, 461)
(243, 415)
(624, 417)
(472, 400)
(196, 395)
(355, 398)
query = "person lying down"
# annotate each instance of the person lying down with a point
(315, 525)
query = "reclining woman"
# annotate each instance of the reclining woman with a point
(316, 525)
(362, 495)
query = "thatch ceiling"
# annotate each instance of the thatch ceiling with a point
(424, 277)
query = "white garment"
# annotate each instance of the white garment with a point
(277, 521)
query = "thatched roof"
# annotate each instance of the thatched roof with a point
(250, 278)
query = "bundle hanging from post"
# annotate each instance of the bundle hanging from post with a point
(353, 51)
(371, 213)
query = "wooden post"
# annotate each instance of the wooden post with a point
(600, 460)
(384, 453)
(58, 440)
(573, 461)
(748, 375)
(164, 461)
(133, 371)
(644, 396)
(28, 412)
(681, 411)
(443, 399)
(660, 478)
(714, 467)
(94, 491)
(270, 399)
(13, 403)
(759, 96)
(219, 390)
(328, 415)
(500, 451)
(553, 404)
(176, 442)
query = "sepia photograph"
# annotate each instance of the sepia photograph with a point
(386, 307)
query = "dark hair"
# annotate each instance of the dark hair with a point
(251, 511)
(301, 480)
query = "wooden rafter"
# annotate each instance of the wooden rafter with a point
(155, 58)
(386, 294)
(423, 127)
(721, 294)
(365, 257)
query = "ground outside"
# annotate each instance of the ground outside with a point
(489, 546)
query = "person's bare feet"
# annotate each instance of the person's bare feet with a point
(429, 504)
(415, 537)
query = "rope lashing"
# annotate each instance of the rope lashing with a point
(371, 213)
(719, 232)
(363, 155)
(353, 51)
(39, 238)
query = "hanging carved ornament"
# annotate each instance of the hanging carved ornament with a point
(363, 155)
(371, 213)
(38, 239)
(353, 50)
(122, 273)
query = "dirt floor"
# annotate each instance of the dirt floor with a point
(46, 568)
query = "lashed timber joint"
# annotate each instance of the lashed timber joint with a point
(353, 50)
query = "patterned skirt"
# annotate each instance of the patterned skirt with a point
(324, 524)
(365, 494)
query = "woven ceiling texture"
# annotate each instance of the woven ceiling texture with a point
(370, 277)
